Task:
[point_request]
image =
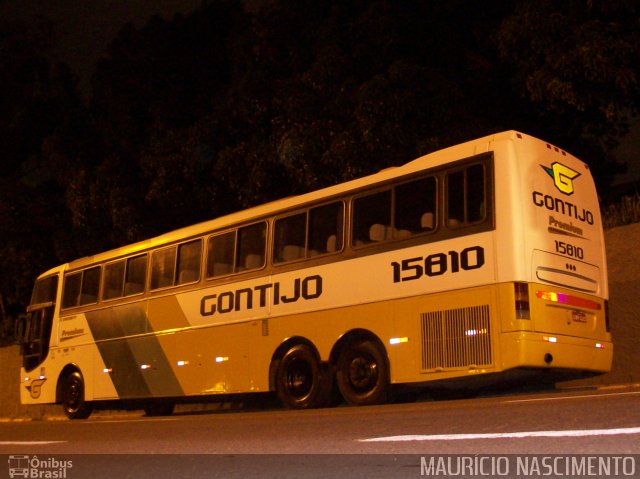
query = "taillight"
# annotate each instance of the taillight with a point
(606, 315)
(522, 300)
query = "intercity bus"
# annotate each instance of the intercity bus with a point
(480, 261)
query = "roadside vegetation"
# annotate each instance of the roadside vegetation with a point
(193, 117)
(623, 212)
(6, 326)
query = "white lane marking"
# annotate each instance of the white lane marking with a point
(136, 419)
(587, 396)
(28, 443)
(506, 435)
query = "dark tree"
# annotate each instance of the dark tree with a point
(200, 115)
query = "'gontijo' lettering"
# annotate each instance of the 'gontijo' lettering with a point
(562, 207)
(248, 298)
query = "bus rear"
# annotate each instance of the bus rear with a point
(555, 255)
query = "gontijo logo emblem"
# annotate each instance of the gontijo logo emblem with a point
(563, 177)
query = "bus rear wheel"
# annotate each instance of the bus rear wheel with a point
(362, 374)
(302, 382)
(73, 402)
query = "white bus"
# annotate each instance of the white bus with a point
(483, 260)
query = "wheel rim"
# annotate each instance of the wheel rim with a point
(299, 378)
(363, 373)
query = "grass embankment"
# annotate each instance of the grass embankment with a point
(624, 212)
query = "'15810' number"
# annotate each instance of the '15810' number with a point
(438, 264)
(569, 249)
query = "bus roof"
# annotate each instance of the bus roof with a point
(248, 215)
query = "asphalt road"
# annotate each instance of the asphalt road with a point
(331, 442)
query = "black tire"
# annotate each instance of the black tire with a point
(363, 375)
(73, 401)
(159, 408)
(302, 382)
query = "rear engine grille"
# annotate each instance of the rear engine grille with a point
(456, 338)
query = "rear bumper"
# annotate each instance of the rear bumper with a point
(547, 351)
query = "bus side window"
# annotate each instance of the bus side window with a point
(90, 285)
(136, 275)
(113, 280)
(372, 218)
(220, 254)
(71, 290)
(325, 229)
(251, 243)
(189, 255)
(125, 277)
(466, 196)
(290, 238)
(163, 265)
(475, 194)
(415, 207)
(455, 198)
(81, 288)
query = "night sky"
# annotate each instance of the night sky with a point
(224, 104)
(84, 29)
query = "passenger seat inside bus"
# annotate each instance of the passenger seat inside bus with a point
(187, 276)
(332, 244)
(253, 261)
(133, 288)
(427, 221)
(291, 252)
(220, 269)
(379, 232)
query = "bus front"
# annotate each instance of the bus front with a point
(36, 335)
(556, 261)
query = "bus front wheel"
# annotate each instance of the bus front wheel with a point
(362, 374)
(73, 402)
(302, 382)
